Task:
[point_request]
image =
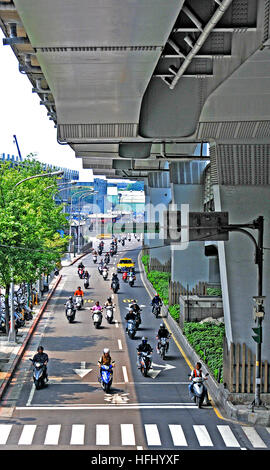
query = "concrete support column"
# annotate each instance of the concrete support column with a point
(158, 196)
(240, 178)
(189, 265)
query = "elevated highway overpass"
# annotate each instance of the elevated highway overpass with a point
(135, 86)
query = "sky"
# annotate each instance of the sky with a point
(22, 115)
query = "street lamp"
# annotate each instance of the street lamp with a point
(42, 175)
(79, 228)
(73, 195)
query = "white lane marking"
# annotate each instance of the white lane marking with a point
(30, 398)
(203, 436)
(177, 434)
(27, 435)
(4, 433)
(116, 324)
(228, 436)
(77, 434)
(125, 373)
(120, 344)
(127, 435)
(254, 437)
(102, 435)
(117, 407)
(152, 435)
(52, 435)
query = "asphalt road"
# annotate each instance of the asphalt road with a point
(73, 412)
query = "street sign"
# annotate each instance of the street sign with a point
(258, 334)
(195, 226)
(134, 227)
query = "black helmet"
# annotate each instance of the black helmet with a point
(144, 340)
(40, 348)
(162, 325)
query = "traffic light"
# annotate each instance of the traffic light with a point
(258, 333)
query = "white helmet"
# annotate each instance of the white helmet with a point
(106, 350)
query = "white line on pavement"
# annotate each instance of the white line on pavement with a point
(120, 344)
(125, 373)
(52, 435)
(102, 435)
(27, 435)
(77, 434)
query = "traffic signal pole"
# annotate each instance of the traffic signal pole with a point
(257, 224)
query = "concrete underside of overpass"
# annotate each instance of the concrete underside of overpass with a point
(135, 86)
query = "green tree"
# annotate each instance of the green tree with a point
(30, 243)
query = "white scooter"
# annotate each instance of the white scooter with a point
(78, 302)
(109, 313)
(199, 391)
(105, 274)
(97, 318)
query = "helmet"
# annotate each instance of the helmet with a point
(40, 348)
(70, 298)
(144, 339)
(109, 299)
(106, 350)
(162, 325)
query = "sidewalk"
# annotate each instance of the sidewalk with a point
(11, 353)
(219, 395)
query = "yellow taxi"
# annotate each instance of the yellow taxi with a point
(125, 264)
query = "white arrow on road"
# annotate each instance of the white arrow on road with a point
(82, 372)
(166, 366)
(153, 373)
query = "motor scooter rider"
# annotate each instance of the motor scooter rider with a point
(135, 306)
(156, 301)
(143, 347)
(197, 372)
(105, 359)
(42, 357)
(80, 267)
(115, 279)
(79, 293)
(131, 276)
(162, 333)
(130, 316)
(109, 302)
(124, 275)
(70, 304)
(86, 275)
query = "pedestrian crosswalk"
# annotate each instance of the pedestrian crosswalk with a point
(129, 435)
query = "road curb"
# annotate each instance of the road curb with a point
(22, 349)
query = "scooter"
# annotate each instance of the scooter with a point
(94, 259)
(156, 310)
(131, 281)
(106, 377)
(138, 319)
(81, 273)
(198, 391)
(115, 286)
(131, 328)
(100, 269)
(105, 274)
(163, 347)
(97, 318)
(86, 283)
(70, 314)
(145, 362)
(38, 374)
(109, 313)
(78, 302)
